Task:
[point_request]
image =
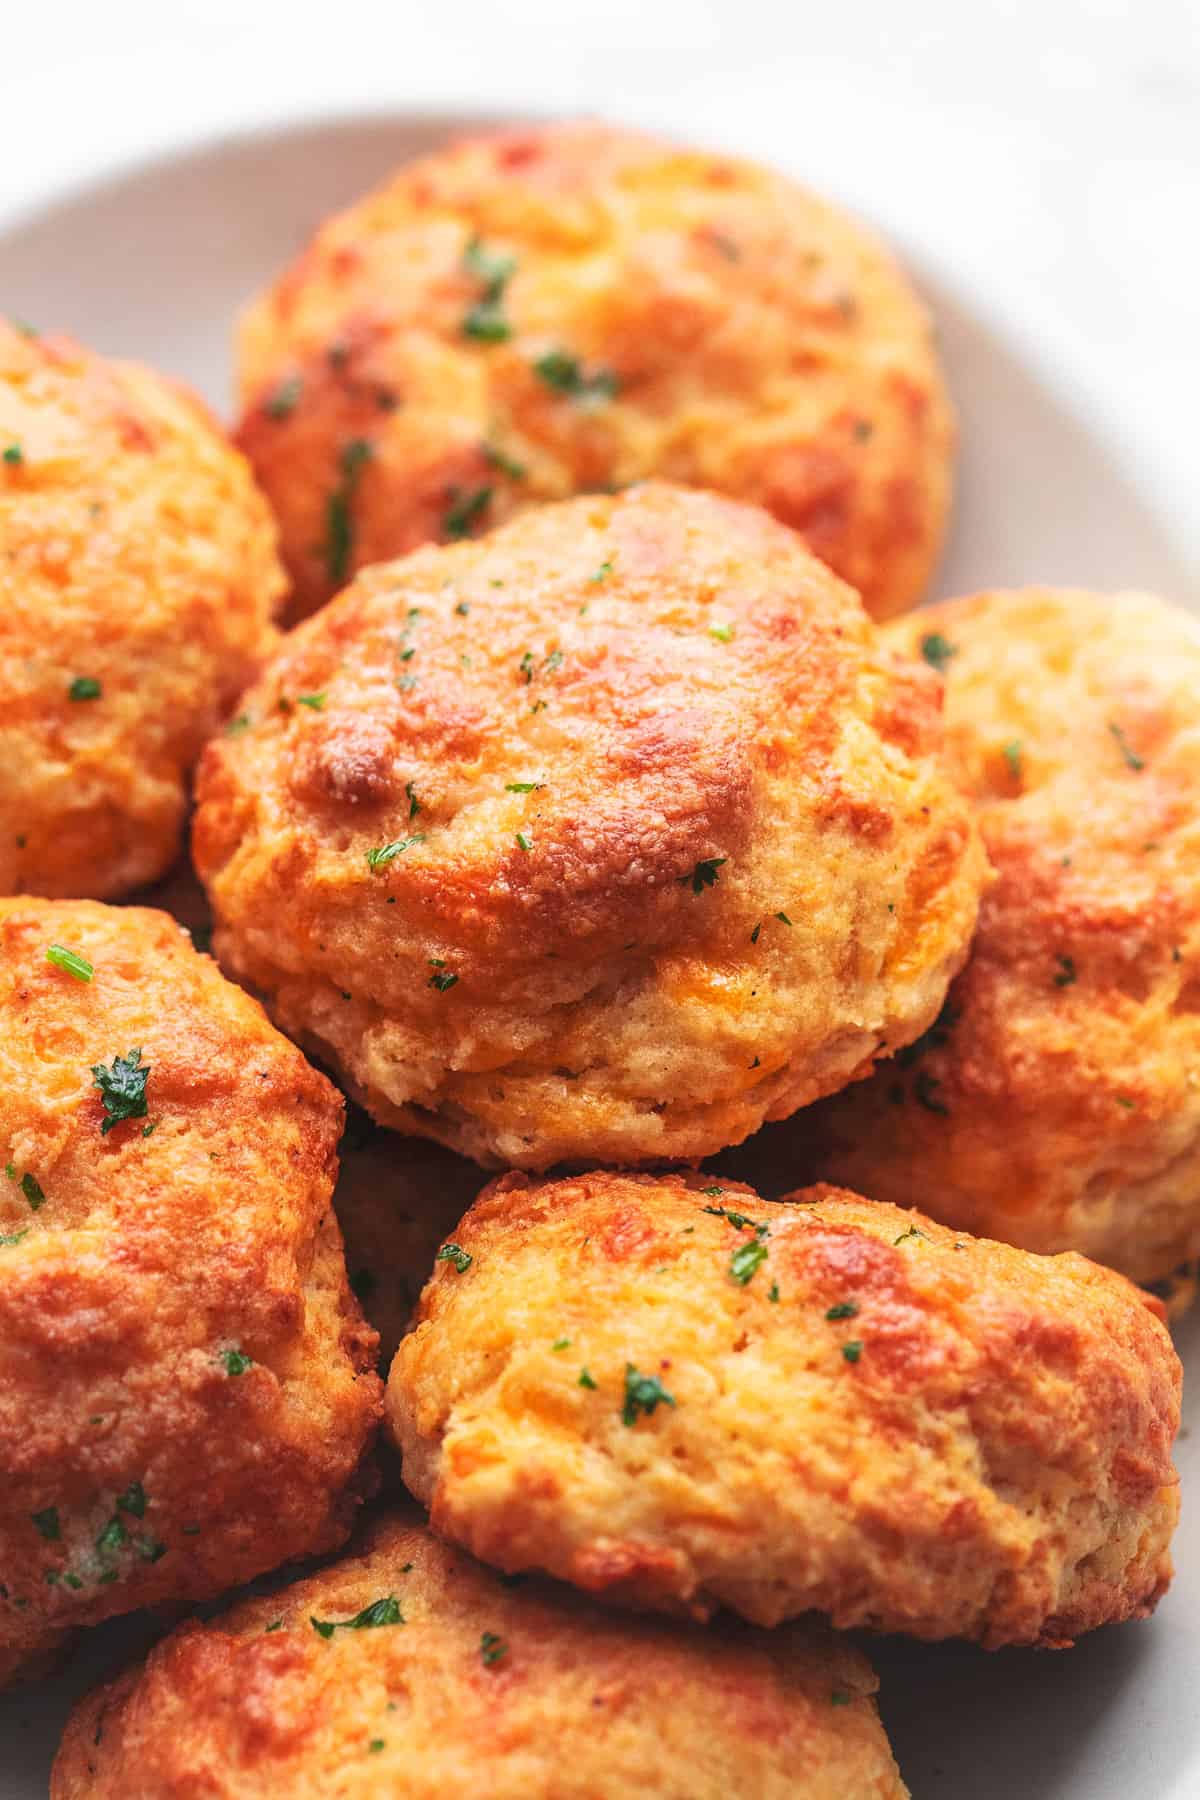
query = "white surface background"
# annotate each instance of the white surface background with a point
(1040, 166)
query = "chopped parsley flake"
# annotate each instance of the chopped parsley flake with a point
(442, 979)
(912, 1232)
(491, 1649)
(1012, 756)
(1067, 974)
(773, 1293)
(314, 702)
(85, 687)
(380, 1612)
(603, 572)
(643, 1393)
(523, 787)
(47, 1523)
(837, 1698)
(283, 402)
(31, 1187)
(507, 465)
(70, 962)
(133, 1500)
(236, 1362)
(466, 509)
(746, 1259)
(853, 1350)
(383, 854)
(724, 633)
(937, 650)
(123, 1088)
(524, 843)
(1133, 760)
(114, 1537)
(454, 1253)
(8, 1238)
(585, 1380)
(376, 1745)
(739, 1221)
(562, 1343)
(13, 455)
(236, 726)
(845, 1309)
(564, 373)
(704, 875)
(486, 321)
(339, 519)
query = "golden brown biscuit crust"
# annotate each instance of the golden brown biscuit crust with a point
(185, 1380)
(138, 575)
(573, 1704)
(904, 1429)
(662, 847)
(654, 311)
(1057, 1104)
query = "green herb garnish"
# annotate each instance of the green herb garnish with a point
(1133, 760)
(84, 687)
(486, 321)
(123, 1088)
(236, 1362)
(564, 373)
(491, 1649)
(339, 521)
(282, 403)
(937, 650)
(467, 507)
(380, 857)
(454, 1253)
(643, 1393)
(746, 1259)
(380, 1612)
(704, 875)
(70, 962)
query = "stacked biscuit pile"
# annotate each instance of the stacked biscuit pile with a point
(603, 841)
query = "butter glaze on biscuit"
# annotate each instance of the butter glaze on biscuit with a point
(138, 577)
(609, 836)
(1057, 1103)
(675, 1394)
(522, 317)
(186, 1383)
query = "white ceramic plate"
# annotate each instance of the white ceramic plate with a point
(153, 264)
